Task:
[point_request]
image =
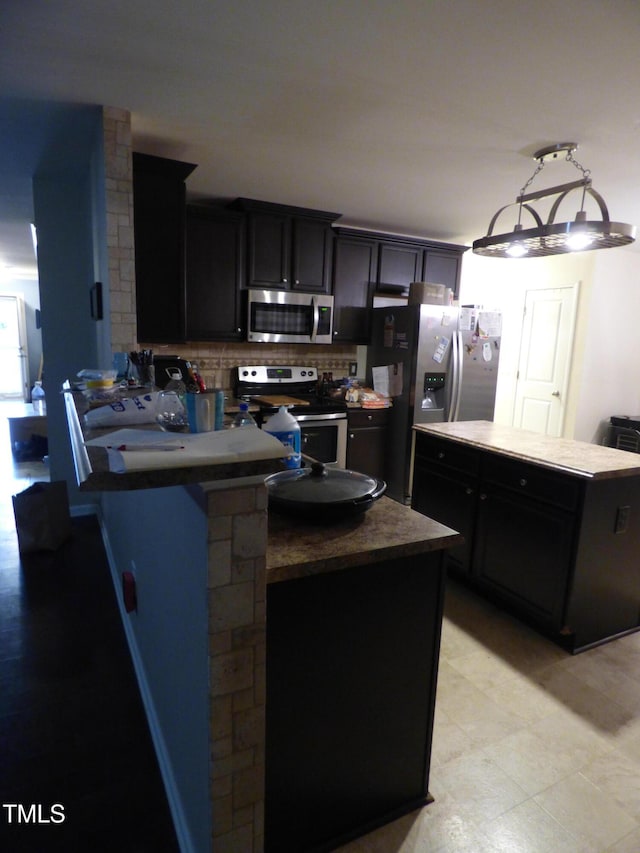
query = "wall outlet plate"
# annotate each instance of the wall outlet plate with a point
(353, 368)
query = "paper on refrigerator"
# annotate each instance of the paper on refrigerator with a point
(387, 380)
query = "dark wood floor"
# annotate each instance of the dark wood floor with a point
(72, 727)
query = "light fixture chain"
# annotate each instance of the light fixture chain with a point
(571, 159)
(538, 169)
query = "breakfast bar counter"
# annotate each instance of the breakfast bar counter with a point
(288, 670)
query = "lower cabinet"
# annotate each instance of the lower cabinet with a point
(522, 552)
(366, 442)
(352, 661)
(549, 546)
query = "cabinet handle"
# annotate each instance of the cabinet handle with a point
(483, 497)
(369, 417)
(284, 280)
(468, 491)
(297, 281)
(523, 482)
(238, 329)
(351, 435)
(441, 454)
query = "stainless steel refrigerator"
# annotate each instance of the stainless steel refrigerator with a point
(438, 363)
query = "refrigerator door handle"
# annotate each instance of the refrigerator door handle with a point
(457, 376)
(460, 373)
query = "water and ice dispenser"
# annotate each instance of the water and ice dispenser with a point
(433, 400)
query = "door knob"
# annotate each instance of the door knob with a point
(555, 393)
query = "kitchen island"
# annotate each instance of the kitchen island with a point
(208, 567)
(551, 525)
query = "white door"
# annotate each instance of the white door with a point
(545, 359)
(13, 352)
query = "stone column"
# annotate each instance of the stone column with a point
(237, 681)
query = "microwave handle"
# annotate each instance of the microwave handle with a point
(316, 317)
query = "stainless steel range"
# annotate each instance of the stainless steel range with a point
(323, 420)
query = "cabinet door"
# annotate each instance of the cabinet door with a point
(214, 275)
(443, 268)
(353, 283)
(399, 264)
(451, 499)
(366, 451)
(523, 553)
(312, 255)
(159, 205)
(269, 250)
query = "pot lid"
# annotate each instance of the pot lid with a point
(321, 485)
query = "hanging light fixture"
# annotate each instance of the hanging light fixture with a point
(555, 238)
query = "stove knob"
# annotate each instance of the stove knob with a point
(303, 373)
(245, 372)
(254, 372)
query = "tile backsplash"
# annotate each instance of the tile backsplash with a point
(216, 361)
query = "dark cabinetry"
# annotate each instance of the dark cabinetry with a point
(553, 547)
(159, 204)
(445, 487)
(287, 247)
(215, 242)
(354, 271)
(366, 442)
(519, 504)
(350, 700)
(400, 264)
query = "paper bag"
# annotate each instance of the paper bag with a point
(43, 522)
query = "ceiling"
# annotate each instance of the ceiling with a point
(415, 116)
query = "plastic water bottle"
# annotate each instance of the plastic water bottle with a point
(171, 408)
(243, 418)
(286, 429)
(38, 399)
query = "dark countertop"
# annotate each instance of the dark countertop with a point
(387, 530)
(591, 461)
(92, 463)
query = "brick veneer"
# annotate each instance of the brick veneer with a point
(237, 679)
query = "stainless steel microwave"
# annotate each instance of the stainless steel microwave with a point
(286, 317)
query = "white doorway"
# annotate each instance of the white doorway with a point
(545, 359)
(14, 367)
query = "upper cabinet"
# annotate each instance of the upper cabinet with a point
(215, 269)
(399, 264)
(159, 202)
(354, 273)
(287, 247)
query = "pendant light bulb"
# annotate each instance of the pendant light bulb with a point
(579, 238)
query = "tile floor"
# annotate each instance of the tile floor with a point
(534, 750)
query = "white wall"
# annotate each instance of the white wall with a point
(605, 373)
(609, 383)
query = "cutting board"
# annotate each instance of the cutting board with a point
(280, 400)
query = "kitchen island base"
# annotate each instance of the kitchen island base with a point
(551, 526)
(352, 662)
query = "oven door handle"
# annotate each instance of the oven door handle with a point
(327, 416)
(316, 317)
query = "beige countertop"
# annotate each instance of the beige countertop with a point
(387, 530)
(575, 457)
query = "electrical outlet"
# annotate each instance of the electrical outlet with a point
(353, 368)
(129, 592)
(622, 519)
